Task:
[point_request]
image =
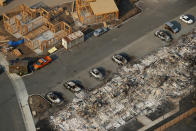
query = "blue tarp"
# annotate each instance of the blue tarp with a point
(15, 43)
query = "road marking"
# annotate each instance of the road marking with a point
(22, 96)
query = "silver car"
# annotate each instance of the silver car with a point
(100, 31)
(119, 59)
(163, 35)
(96, 73)
(54, 97)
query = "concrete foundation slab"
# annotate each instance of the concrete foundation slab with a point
(144, 120)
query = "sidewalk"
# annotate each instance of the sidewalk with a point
(21, 94)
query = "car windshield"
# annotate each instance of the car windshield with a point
(162, 33)
(187, 18)
(71, 83)
(43, 59)
(38, 63)
(96, 72)
(119, 57)
(98, 30)
(53, 96)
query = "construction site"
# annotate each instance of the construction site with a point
(137, 90)
(35, 27)
(40, 30)
(145, 89)
(96, 11)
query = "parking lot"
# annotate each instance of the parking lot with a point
(147, 43)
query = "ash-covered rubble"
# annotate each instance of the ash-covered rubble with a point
(138, 90)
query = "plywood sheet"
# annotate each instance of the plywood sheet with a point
(100, 7)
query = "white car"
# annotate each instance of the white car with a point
(95, 72)
(119, 59)
(72, 86)
(186, 19)
(54, 97)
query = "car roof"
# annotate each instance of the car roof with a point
(185, 16)
(98, 30)
(169, 24)
(71, 83)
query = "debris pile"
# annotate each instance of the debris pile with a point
(138, 90)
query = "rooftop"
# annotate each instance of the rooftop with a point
(100, 7)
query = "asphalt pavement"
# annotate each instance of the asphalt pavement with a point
(70, 63)
(10, 114)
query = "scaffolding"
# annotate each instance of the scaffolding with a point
(96, 11)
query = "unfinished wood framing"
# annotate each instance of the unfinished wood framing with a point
(35, 27)
(96, 11)
(44, 13)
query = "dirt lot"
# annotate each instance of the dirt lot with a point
(38, 105)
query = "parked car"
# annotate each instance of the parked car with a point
(100, 31)
(42, 62)
(119, 59)
(1, 69)
(96, 73)
(171, 27)
(163, 35)
(186, 19)
(73, 86)
(54, 97)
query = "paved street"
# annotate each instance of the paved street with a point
(10, 114)
(70, 63)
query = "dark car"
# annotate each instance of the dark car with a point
(1, 69)
(171, 27)
(163, 35)
(119, 59)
